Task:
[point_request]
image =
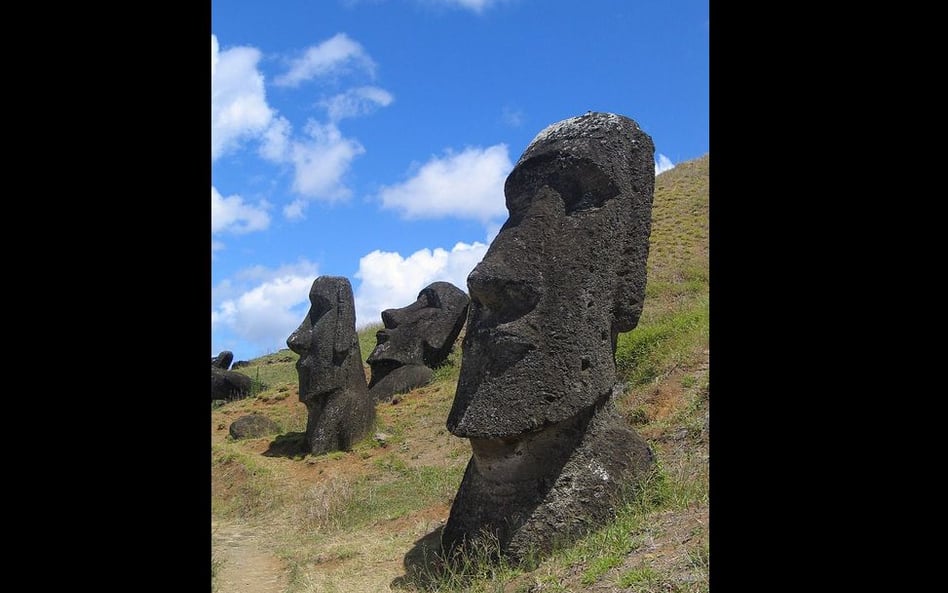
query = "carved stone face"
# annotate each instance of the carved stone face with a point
(423, 332)
(322, 339)
(563, 277)
(399, 344)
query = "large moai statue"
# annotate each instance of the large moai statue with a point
(416, 338)
(331, 378)
(565, 275)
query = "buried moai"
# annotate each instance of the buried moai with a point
(225, 384)
(551, 456)
(331, 377)
(416, 338)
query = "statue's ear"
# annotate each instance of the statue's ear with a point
(344, 324)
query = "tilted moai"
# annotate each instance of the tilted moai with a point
(566, 274)
(416, 339)
(331, 377)
(223, 360)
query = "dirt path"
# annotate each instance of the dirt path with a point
(243, 565)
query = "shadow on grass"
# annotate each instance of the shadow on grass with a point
(287, 445)
(423, 564)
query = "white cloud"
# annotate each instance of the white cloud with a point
(465, 185)
(321, 161)
(262, 306)
(275, 140)
(239, 107)
(232, 215)
(663, 163)
(355, 102)
(337, 54)
(321, 156)
(296, 210)
(388, 280)
(477, 6)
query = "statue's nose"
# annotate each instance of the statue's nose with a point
(300, 339)
(503, 292)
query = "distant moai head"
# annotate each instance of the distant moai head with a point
(422, 332)
(416, 338)
(565, 275)
(325, 338)
(223, 360)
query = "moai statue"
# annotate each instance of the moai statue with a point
(565, 275)
(223, 360)
(331, 377)
(225, 384)
(416, 339)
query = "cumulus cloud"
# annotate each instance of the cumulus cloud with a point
(337, 54)
(388, 280)
(261, 306)
(467, 185)
(233, 215)
(321, 161)
(477, 6)
(239, 107)
(275, 140)
(320, 156)
(356, 102)
(663, 163)
(295, 210)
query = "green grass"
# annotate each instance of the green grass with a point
(659, 345)
(397, 490)
(367, 339)
(637, 576)
(599, 566)
(256, 491)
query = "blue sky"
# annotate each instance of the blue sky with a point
(371, 139)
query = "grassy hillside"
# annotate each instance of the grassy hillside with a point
(367, 520)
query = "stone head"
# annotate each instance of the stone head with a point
(324, 338)
(423, 332)
(564, 276)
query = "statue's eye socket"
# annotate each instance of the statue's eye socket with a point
(580, 182)
(319, 306)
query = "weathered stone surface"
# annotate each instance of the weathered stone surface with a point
(416, 338)
(229, 385)
(565, 275)
(331, 379)
(252, 426)
(400, 379)
(547, 486)
(223, 360)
